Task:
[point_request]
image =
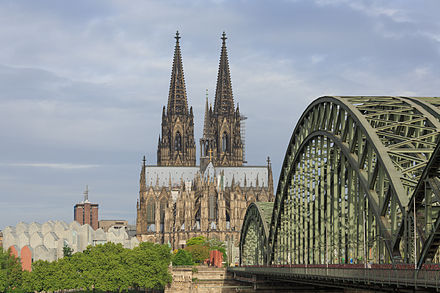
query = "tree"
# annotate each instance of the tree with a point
(67, 251)
(148, 264)
(212, 244)
(198, 252)
(199, 240)
(182, 258)
(44, 276)
(10, 271)
(68, 272)
(108, 267)
(104, 267)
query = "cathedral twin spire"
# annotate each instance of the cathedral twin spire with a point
(177, 100)
(176, 146)
(221, 142)
(224, 101)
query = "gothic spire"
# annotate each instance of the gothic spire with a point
(206, 125)
(270, 176)
(224, 101)
(177, 100)
(143, 179)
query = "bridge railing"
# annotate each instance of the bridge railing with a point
(398, 277)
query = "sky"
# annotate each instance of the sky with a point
(82, 83)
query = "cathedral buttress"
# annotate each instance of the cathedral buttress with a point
(176, 146)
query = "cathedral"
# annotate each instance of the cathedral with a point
(179, 199)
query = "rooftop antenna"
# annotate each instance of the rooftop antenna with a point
(86, 194)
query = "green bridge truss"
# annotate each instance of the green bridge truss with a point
(354, 170)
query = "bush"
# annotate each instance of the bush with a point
(198, 252)
(182, 258)
(105, 267)
(199, 240)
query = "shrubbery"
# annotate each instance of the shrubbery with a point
(182, 258)
(10, 271)
(107, 267)
(197, 250)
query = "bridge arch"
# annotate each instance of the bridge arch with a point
(348, 177)
(254, 234)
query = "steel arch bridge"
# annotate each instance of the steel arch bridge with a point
(360, 183)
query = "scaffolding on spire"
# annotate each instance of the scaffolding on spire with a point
(243, 135)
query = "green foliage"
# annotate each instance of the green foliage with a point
(108, 267)
(148, 266)
(104, 267)
(182, 258)
(211, 244)
(67, 251)
(215, 244)
(199, 240)
(198, 252)
(10, 271)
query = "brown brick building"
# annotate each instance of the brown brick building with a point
(178, 199)
(86, 212)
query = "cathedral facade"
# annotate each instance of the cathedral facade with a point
(178, 199)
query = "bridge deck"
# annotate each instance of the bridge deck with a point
(344, 277)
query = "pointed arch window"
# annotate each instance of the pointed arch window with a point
(228, 222)
(212, 206)
(197, 220)
(151, 217)
(163, 205)
(178, 142)
(207, 149)
(225, 142)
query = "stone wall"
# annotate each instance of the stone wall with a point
(204, 279)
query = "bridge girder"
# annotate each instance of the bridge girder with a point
(347, 181)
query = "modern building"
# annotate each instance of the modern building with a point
(179, 199)
(34, 241)
(86, 212)
(116, 224)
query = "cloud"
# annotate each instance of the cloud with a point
(62, 166)
(82, 84)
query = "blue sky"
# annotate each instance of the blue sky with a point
(82, 83)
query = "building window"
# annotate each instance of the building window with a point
(225, 142)
(151, 219)
(207, 149)
(163, 204)
(212, 204)
(178, 142)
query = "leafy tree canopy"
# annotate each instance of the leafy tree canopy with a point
(182, 258)
(67, 251)
(199, 240)
(107, 267)
(198, 252)
(10, 271)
